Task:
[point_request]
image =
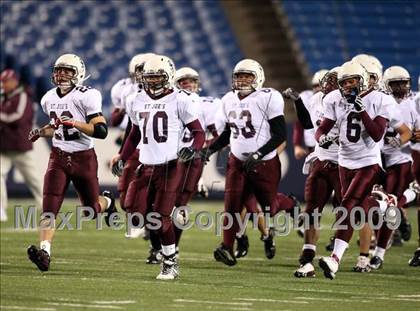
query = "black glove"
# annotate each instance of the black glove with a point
(205, 154)
(186, 154)
(118, 167)
(252, 161)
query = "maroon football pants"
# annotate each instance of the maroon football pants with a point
(81, 168)
(356, 185)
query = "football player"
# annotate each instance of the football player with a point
(254, 128)
(75, 113)
(159, 115)
(361, 115)
(323, 176)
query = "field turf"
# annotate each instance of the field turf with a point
(101, 270)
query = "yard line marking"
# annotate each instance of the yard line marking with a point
(214, 302)
(238, 308)
(408, 296)
(270, 300)
(399, 299)
(332, 299)
(82, 305)
(115, 302)
(27, 308)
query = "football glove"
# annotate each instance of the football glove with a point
(393, 141)
(325, 141)
(291, 93)
(186, 154)
(34, 135)
(252, 161)
(138, 169)
(118, 167)
(204, 154)
(358, 104)
(66, 121)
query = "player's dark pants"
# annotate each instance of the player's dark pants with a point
(398, 177)
(160, 182)
(129, 173)
(262, 183)
(323, 179)
(416, 173)
(191, 172)
(356, 185)
(81, 168)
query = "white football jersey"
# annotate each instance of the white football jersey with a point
(357, 149)
(308, 134)
(316, 109)
(248, 120)
(116, 92)
(210, 106)
(161, 122)
(187, 138)
(78, 104)
(402, 113)
(416, 146)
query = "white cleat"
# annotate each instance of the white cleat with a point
(135, 233)
(415, 187)
(305, 271)
(3, 215)
(169, 269)
(362, 264)
(329, 265)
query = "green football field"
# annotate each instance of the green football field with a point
(102, 270)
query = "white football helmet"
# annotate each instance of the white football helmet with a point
(135, 67)
(371, 65)
(73, 62)
(353, 69)
(188, 72)
(158, 74)
(329, 81)
(318, 76)
(397, 74)
(252, 67)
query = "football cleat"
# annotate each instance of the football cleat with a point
(330, 246)
(224, 255)
(376, 263)
(415, 261)
(169, 269)
(242, 246)
(329, 265)
(111, 208)
(362, 264)
(391, 213)
(405, 228)
(135, 233)
(396, 239)
(155, 257)
(305, 271)
(269, 244)
(39, 257)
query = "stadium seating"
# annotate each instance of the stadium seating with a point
(331, 32)
(107, 34)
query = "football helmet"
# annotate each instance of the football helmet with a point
(318, 76)
(372, 67)
(351, 70)
(158, 74)
(329, 81)
(188, 73)
(135, 67)
(249, 66)
(73, 62)
(397, 81)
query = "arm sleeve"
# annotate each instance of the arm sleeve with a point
(131, 143)
(375, 127)
(117, 116)
(221, 141)
(303, 115)
(297, 134)
(197, 133)
(324, 128)
(278, 135)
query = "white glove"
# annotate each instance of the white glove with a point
(327, 140)
(291, 93)
(393, 141)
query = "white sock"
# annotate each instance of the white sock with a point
(309, 246)
(46, 246)
(108, 201)
(410, 195)
(380, 252)
(340, 247)
(382, 206)
(168, 250)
